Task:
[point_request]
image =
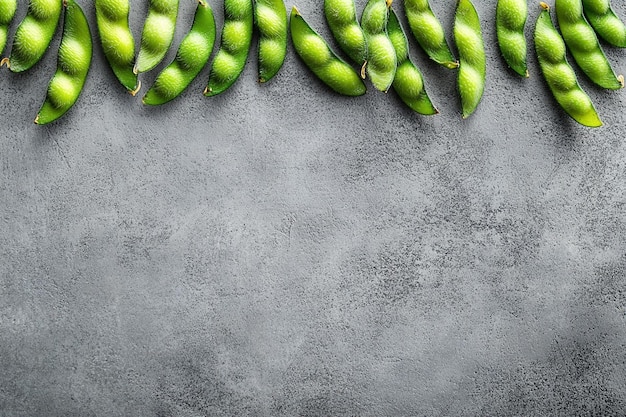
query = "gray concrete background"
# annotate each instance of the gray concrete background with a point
(280, 250)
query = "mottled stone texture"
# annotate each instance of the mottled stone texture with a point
(282, 251)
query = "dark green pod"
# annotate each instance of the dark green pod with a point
(511, 18)
(34, 33)
(582, 42)
(192, 55)
(117, 40)
(342, 21)
(73, 65)
(234, 46)
(270, 17)
(157, 34)
(381, 56)
(408, 82)
(321, 60)
(605, 22)
(428, 32)
(473, 63)
(559, 75)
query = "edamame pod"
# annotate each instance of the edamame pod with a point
(381, 56)
(271, 20)
(34, 33)
(510, 21)
(472, 69)
(559, 75)
(157, 34)
(408, 82)
(192, 55)
(117, 40)
(429, 32)
(316, 54)
(235, 45)
(7, 12)
(72, 65)
(583, 43)
(342, 21)
(605, 22)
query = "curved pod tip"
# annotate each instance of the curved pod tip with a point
(136, 90)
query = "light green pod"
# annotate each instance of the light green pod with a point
(582, 42)
(428, 32)
(234, 48)
(73, 64)
(271, 21)
(381, 56)
(510, 21)
(117, 40)
(472, 69)
(192, 55)
(559, 75)
(605, 22)
(408, 82)
(321, 60)
(157, 34)
(34, 33)
(7, 12)
(342, 21)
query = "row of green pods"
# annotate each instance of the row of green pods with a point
(375, 45)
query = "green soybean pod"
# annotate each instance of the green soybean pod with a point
(472, 69)
(34, 33)
(605, 22)
(7, 12)
(192, 55)
(234, 47)
(582, 42)
(343, 23)
(381, 56)
(511, 18)
(271, 21)
(157, 34)
(72, 65)
(117, 40)
(408, 82)
(559, 75)
(321, 60)
(428, 32)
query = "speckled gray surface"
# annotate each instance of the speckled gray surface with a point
(283, 251)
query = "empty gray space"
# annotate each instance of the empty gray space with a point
(280, 250)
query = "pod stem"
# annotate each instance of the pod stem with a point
(544, 5)
(5, 61)
(363, 69)
(620, 78)
(136, 90)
